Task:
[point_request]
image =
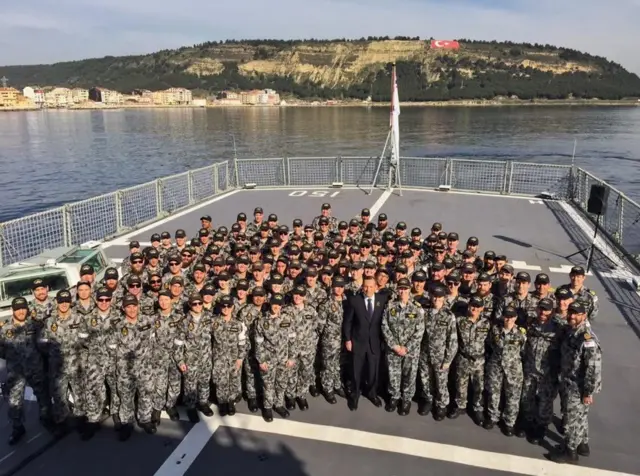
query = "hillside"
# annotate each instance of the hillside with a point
(351, 69)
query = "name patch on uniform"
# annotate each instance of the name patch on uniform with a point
(145, 328)
(173, 324)
(233, 329)
(31, 332)
(74, 326)
(590, 344)
(285, 324)
(392, 312)
(125, 331)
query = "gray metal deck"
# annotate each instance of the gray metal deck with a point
(534, 234)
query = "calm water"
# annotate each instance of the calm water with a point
(53, 157)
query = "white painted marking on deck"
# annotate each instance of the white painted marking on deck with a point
(117, 260)
(29, 395)
(7, 456)
(189, 448)
(381, 200)
(34, 437)
(524, 265)
(199, 437)
(565, 269)
(536, 202)
(124, 239)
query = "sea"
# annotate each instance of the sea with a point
(53, 157)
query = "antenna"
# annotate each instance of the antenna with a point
(4, 80)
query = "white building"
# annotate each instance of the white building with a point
(29, 93)
(79, 95)
(58, 97)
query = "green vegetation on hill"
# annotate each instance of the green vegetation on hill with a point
(342, 69)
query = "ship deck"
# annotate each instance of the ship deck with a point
(535, 235)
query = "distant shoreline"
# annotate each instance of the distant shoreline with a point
(439, 104)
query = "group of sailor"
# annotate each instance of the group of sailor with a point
(257, 311)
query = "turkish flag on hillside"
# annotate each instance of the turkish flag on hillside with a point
(445, 44)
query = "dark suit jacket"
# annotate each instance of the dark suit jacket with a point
(361, 330)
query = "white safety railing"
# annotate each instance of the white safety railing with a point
(118, 212)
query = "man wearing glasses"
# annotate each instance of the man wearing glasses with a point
(137, 268)
(196, 359)
(101, 363)
(175, 268)
(134, 287)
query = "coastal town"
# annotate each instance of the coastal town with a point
(97, 97)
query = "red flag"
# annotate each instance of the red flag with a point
(445, 44)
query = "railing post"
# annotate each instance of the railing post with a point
(215, 179)
(66, 225)
(1, 245)
(158, 198)
(119, 211)
(508, 177)
(448, 173)
(190, 186)
(285, 167)
(620, 229)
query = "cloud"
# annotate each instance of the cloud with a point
(46, 31)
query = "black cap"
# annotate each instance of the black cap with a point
(419, 276)
(258, 291)
(453, 237)
(501, 257)
(437, 266)
(83, 283)
(208, 290)
(543, 278)
(63, 296)
(134, 244)
(195, 297)
(403, 283)
(546, 304)
(272, 217)
(136, 256)
(226, 301)
(577, 271)
(103, 292)
(277, 299)
(473, 241)
(129, 300)
(242, 285)
(357, 265)
(297, 222)
(200, 267)
(490, 255)
(177, 280)
(436, 226)
(312, 272)
(401, 226)
(484, 278)
(438, 291)
(153, 253)
(467, 254)
(401, 268)
(86, 269)
(165, 235)
(204, 232)
(134, 280)
(338, 282)
(165, 293)
(510, 312)
(507, 268)
(224, 276)
(442, 235)
(382, 217)
(370, 265)
(20, 303)
(323, 221)
(37, 283)
(257, 210)
(523, 276)
(181, 233)
(475, 301)
(564, 293)
(453, 278)
(205, 218)
(241, 217)
(577, 307)
(155, 237)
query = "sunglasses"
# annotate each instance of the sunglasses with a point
(227, 305)
(186, 255)
(104, 300)
(156, 281)
(135, 286)
(196, 304)
(137, 261)
(174, 264)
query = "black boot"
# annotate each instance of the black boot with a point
(267, 415)
(566, 456)
(148, 427)
(282, 411)
(16, 435)
(223, 409)
(155, 417)
(173, 414)
(521, 427)
(424, 407)
(302, 403)
(125, 432)
(205, 409)
(252, 403)
(192, 413)
(231, 408)
(290, 403)
(90, 430)
(80, 424)
(392, 405)
(583, 449)
(117, 423)
(341, 393)
(488, 424)
(478, 418)
(508, 430)
(536, 434)
(439, 414)
(330, 397)
(61, 429)
(404, 408)
(454, 413)
(313, 391)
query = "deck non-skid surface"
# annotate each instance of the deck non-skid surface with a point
(535, 236)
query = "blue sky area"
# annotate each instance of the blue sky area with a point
(47, 31)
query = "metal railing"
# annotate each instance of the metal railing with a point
(125, 210)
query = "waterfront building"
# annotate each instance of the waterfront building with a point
(9, 97)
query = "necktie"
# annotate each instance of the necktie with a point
(369, 307)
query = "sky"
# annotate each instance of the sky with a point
(48, 31)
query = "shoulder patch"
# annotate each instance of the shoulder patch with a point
(157, 324)
(587, 336)
(265, 324)
(34, 313)
(392, 312)
(125, 331)
(191, 326)
(94, 322)
(9, 334)
(215, 325)
(523, 330)
(54, 327)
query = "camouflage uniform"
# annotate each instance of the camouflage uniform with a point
(588, 298)
(580, 376)
(488, 310)
(135, 367)
(470, 360)
(330, 314)
(18, 347)
(249, 315)
(100, 363)
(504, 369)
(64, 338)
(438, 349)
(315, 296)
(403, 325)
(307, 329)
(275, 344)
(526, 308)
(167, 347)
(197, 355)
(230, 343)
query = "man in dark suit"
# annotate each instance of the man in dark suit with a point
(363, 339)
